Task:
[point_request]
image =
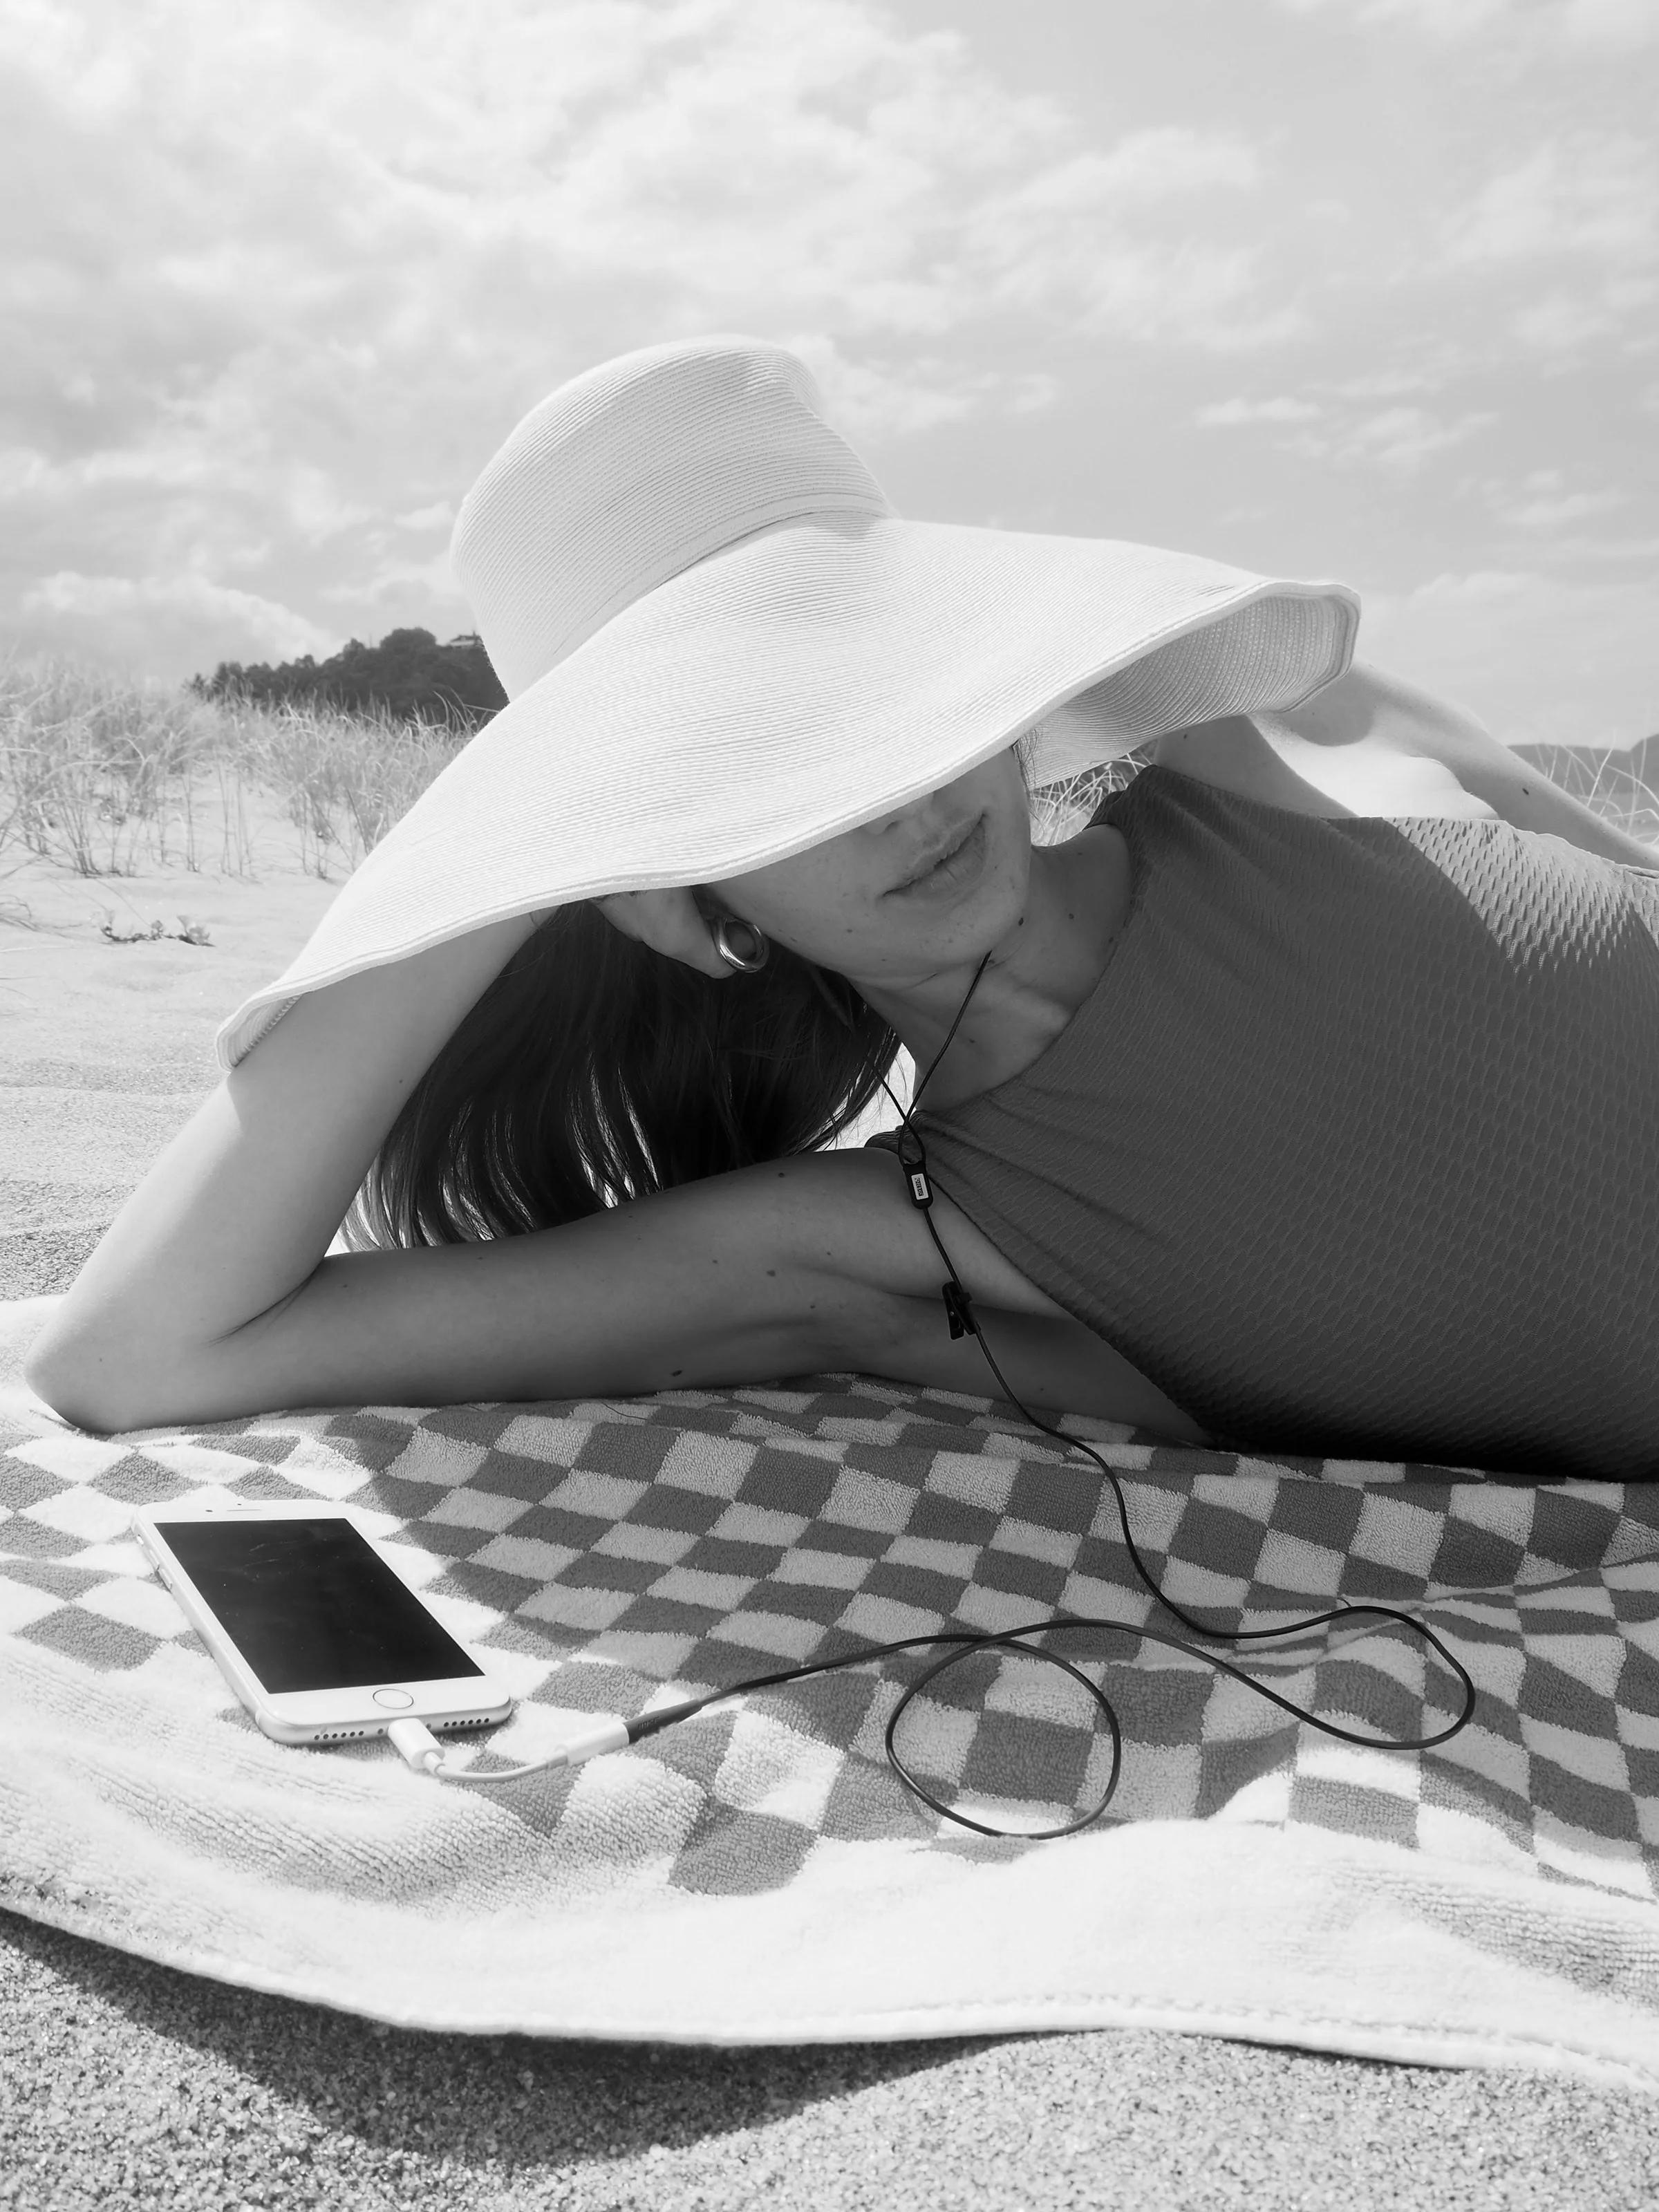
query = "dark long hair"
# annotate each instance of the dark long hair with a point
(594, 1070)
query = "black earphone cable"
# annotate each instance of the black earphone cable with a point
(963, 1320)
(962, 1643)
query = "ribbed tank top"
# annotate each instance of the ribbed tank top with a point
(1353, 1150)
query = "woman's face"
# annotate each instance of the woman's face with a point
(849, 905)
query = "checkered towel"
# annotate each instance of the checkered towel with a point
(759, 1873)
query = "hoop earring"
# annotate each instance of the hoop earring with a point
(762, 954)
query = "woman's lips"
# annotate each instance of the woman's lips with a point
(952, 866)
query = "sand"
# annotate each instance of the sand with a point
(123, 2083)
(106, 1048)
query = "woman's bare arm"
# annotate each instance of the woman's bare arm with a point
(239, 1209)
(1384, 715)
(211, 1295)
(1060, 1364)
(696, 1286)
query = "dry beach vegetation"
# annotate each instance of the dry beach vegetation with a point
(106, 775)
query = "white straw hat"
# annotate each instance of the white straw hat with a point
(720, 645)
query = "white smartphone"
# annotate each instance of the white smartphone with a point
(315, 1631)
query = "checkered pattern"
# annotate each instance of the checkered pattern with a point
(603, 1556)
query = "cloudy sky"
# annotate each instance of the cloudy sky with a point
(1363, 288)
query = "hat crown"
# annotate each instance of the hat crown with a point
(632, 472)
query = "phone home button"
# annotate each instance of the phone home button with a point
(398, 1698)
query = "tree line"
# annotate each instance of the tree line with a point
(408, 674)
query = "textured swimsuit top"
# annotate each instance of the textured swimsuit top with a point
(1353, 1148)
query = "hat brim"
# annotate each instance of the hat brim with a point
(801, 681)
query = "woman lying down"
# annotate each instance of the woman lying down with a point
(1306, 1100)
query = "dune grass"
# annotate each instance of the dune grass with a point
(109, 776)
(1607, 784)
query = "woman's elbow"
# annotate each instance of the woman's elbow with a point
(62, 1385)
(89, 1382)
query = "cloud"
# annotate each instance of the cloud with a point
(1403, 438)
(1605, 26)
(1609, 552)
(1230, 414)
(1589, 28)
(1586, 196)
(282, 278)
(384, 581)
(1584, 209)
(121, 620)
(277, 280)
(870, 397)
(1545, 511)
(1397, 439)
(1446, 19)
(1562, 323)
(1059, 240)
(439, 515)
(1388, 384)
(1543, 502)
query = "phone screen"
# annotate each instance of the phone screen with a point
(311, 1605)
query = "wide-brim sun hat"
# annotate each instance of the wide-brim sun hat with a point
(721, 645)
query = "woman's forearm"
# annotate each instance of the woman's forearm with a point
(1532, 801)
(241, 1206)
(1369, 706)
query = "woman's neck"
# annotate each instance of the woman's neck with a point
(1037, 977)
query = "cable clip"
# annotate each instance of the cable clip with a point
(959, 1313)
(915, 1175)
